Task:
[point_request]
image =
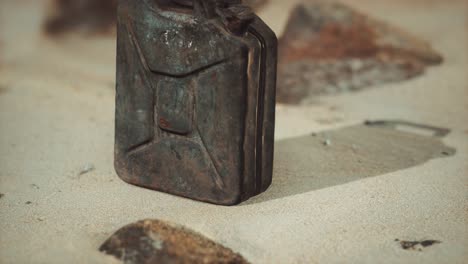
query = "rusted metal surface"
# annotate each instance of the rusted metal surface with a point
(153, 241)
(195, 103)
(329, 48)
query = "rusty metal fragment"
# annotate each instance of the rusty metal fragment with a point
(195, 102)
(153, 241)
(86, 16)
(329, 48)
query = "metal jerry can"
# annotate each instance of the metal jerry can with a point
(195, 102)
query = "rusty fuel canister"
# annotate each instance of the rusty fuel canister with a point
(195, 102)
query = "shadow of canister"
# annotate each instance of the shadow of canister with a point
(335, 157)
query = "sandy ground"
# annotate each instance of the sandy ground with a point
(342, 203)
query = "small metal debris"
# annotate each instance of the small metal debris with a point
(40, 219)
(417, 245)
(86, 169)
(154, 241)
(35, 186)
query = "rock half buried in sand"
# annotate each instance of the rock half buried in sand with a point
(153, 241)
(329, 48)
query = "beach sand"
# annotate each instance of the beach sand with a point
(342, 196)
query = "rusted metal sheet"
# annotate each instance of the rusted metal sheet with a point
(195, 103)
(153, 241)
(329, 48)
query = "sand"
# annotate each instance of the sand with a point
(56, 119)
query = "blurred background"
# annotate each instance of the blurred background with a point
(341, 63)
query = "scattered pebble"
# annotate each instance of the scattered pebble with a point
(86, 169)
(28, 202)
(1, 195)
(327, 142)
(417, 245)
(35, 186)
(41, 219)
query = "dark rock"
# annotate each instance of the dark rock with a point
(330, 48)
(153, 241)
